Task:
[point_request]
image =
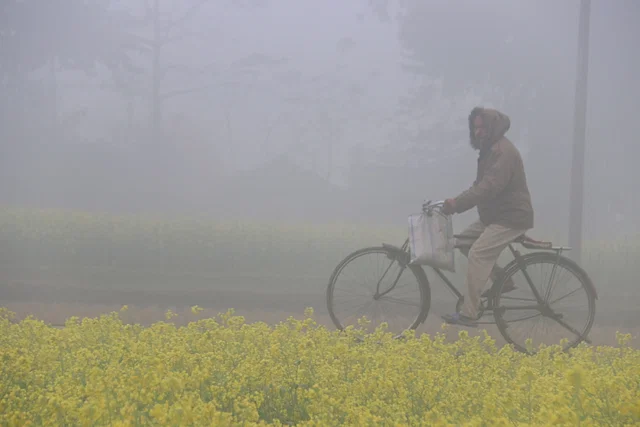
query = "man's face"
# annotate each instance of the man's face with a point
(479, 132)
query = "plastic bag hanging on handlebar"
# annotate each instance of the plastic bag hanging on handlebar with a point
(431, 240)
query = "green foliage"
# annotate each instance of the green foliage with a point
(224, 371)
(271, 255)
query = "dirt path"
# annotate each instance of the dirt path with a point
(218, 299)
(55, 304)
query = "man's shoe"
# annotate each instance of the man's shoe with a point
(508, 287)
(459, 319)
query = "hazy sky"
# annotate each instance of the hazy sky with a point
(334, 80)
(309, 35)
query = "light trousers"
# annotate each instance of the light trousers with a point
(482, 245)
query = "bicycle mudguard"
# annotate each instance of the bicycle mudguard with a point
(403, 256)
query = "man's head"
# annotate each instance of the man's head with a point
(486, 126)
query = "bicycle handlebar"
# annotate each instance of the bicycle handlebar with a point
(430, 205)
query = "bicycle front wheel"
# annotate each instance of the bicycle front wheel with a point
(554, 302)
(376, 283)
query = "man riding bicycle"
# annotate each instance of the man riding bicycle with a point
(502, 198)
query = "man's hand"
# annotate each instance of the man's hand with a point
(449, 207)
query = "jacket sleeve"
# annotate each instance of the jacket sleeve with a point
(495, 179)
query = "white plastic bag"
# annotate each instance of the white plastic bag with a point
(431, 240)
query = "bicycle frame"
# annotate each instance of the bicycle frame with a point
(528, 243)
(450, 285)
(403, 256)
(492, 300)
(518, 257)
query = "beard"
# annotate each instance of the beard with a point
(477, 143)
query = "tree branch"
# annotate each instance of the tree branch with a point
(178, 37)
(178, 92)
(194, 8)
(190, 69)
(145, 41)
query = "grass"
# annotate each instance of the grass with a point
(142, 250)
(145, 252)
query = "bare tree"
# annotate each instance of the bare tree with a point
(42, 35)
(169, 25)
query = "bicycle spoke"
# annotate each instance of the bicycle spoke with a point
(553, 273)
(551, 286)
(563, 297)
(566, 326)
(518, 299)
(525, 318)
(360, 312)
(370, 273)
(399, 301)
(520, 307)
(545, 323)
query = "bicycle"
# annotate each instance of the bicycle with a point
(544, 253)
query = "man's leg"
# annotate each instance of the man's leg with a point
(471, 234)
(482, 259)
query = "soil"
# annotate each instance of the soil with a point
(54, 304)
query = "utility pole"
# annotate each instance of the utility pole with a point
(580, 111)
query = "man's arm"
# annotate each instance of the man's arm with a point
(495, 179)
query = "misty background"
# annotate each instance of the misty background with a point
(313, 111)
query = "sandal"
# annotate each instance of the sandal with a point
(459, 319)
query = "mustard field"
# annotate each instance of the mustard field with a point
(147, 252)
(224, 372)
(152, 252)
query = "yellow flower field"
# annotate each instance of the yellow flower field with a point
(224, 372)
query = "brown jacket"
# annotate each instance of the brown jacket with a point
(500, 190)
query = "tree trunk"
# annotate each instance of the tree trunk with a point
(54, 98)
(156, 113)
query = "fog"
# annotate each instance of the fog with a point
(315, 113)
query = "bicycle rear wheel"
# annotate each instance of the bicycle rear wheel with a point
(377, 283)
(552, 320)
